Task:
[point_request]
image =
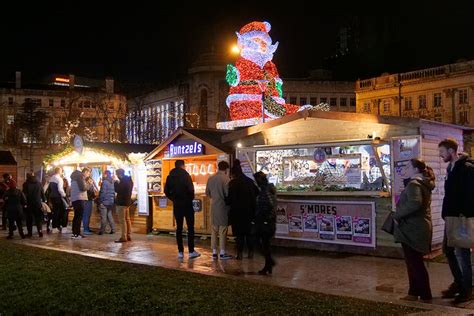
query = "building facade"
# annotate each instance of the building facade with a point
(199, 101)
(443, 94)
(72, 105)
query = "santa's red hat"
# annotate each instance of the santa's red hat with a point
(256, 26)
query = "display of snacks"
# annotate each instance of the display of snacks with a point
(314, 168)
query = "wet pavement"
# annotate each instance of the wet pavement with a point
(372, 278)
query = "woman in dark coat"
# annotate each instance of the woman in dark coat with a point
(242, 198)
(413, 227)
(14, 202)
(265, 218)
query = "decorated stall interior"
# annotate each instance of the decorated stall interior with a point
(338, 175)
(100, 157)
(201, 150)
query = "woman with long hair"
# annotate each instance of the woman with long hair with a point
(413, 227)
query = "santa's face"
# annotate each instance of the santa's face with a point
(258, 48)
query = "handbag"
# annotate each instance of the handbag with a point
(460, 231)
(389, 223)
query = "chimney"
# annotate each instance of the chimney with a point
(18, 80)
(109, 85)
(72, 81)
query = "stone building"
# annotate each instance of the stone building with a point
(443, 94)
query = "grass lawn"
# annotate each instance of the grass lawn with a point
(34, 280)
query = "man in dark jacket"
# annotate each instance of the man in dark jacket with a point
(34, 194)
(458, 199)
(123, 188)
(179, 188)
(242, 197)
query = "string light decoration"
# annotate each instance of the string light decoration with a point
(254, 79)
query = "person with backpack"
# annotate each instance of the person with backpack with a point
(265, 219)
(106, 203)
(34, 194)
(15, 201)
(413, 228)
(458, 200)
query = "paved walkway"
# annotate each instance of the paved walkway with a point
(372, 278)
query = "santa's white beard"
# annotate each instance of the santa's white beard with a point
(257, 57)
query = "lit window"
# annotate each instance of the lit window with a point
(437, 100)
(408, 104)
(422, 102)
(386, 106)
(463, 96)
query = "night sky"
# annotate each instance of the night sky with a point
(156, 43)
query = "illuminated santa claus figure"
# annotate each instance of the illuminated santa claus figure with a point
(255, 77)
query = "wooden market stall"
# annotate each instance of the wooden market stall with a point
(201, 149)
(339, 174)
(108, 156)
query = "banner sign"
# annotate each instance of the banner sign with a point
(182, 148)
(348, 222)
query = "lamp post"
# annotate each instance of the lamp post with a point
(262, 85)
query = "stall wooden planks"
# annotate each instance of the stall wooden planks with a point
(432, 134)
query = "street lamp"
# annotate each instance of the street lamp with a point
(235, 49)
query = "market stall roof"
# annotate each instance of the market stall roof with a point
(338, 116)
(6, 158)
(210, 137)
(120, 151)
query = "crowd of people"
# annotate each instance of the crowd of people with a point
(248, 206)
(48, 204)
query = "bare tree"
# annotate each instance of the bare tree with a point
(31, 121)
(111, 115)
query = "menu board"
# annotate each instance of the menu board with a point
(348, 222)
(403, 149)
(154, 168)
(247, 161)
(142, 192)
